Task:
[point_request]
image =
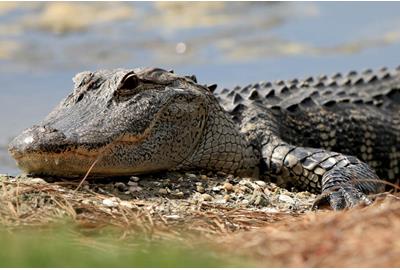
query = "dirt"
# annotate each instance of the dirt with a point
(273, 226)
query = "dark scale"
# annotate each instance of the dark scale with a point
(328, 122)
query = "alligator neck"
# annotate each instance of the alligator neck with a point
(223, 147)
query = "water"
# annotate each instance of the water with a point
(42, 45)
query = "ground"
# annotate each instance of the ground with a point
(229, 217)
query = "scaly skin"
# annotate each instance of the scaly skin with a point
(333, 135)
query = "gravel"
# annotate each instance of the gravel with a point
(175, 193)
(192, 189)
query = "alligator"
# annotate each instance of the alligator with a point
(334, 135)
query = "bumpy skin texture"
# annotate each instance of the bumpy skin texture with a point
(310, 132)
(331, 134)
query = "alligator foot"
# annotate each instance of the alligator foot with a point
(342, 197)
(346, 187)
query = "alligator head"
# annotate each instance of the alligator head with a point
(125, 121)
(133, 121)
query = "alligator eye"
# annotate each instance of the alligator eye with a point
(129, 82)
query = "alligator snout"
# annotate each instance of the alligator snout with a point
(44, 150)
(37, 139)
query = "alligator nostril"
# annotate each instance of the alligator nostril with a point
(28, 140)
(36, 139)
(47, 129)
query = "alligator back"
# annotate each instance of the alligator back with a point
(354, 114)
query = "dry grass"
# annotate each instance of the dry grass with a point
(365, 237)
(38, 204)
(360, 237)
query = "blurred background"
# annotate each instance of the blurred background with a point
(43, 44)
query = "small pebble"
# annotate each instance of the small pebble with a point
(85, 201)
(200, 189)
(239, 189)
(203, 177)
(286, 199)
(228, 186)
(109, 202)
(267, 191)
(206, 197)
(261, 200)
(159, 184)
(173, 216)
(163, 191)
(243, 182)
(38, 181)
(133, 189)
(121, 186)
(229, 177)
(245, 189)
(273, 186)
(270, 210)
(227, 197)
(216, 189)
(190, 175)
(261, 183)
(126, 204)
(134, 178)
(219, 201)
(100, 190)
(304, 195)
(132, 183)
(179, 194)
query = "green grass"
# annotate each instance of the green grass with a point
(69, 247)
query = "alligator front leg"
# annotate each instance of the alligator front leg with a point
(342, 180)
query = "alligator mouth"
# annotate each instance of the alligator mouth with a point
(53, 164)
(38, 156)
(74, 163)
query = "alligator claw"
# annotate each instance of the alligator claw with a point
(346, 187)
(343, 198)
